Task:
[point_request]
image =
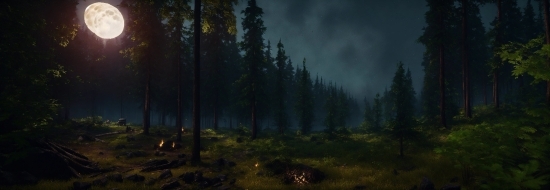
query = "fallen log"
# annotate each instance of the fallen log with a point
(110, 133)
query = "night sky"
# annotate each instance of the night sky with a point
(355, 43)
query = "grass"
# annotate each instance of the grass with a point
(362, 159)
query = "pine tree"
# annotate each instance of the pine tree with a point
(219, 27)
(377, 113)
(304, 101)
(331, 108)
(281, 90)
(368, 116)
(403, 96)
(253, 60)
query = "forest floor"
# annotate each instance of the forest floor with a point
(361, 161)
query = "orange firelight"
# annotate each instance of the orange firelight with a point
(161, 142)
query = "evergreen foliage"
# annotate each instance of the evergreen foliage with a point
(304, 101)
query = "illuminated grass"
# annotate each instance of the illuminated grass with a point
(363, 159)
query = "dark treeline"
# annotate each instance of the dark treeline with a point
(149, 67)
(62, 70)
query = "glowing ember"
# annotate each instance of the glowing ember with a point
(161, 142)
(173, 144)
(256, 164)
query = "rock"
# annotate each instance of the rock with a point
(239, 140)
(121, 122)
(165, 174)
(232, 181)
(85, 138)
(181, 162)
(135, 178)
(205, 183)
(100, 182)
(360, 187)
(187, 177)
(222, 162)
(395, 172)
(454, 180)
(222, 177)
(100, 153)
(177, 146)
(198, 176)
(120, 146)
(170, 185)
(81, 185)
(214, 138)
(115, 177)
(413, 187)
(426, 184)
(151, 181)
(6, 178)
(217, 184)
(155, 162)
(260, 173)
(130, 155)
(181, 155)
(130, 138)
(225, 187)
(451, 187)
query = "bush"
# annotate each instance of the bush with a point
(512, 154)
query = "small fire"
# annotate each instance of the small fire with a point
(256, 164)
(161, 142)
(173, 144)
(181, 129)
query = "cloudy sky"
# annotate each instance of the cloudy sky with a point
(355, 43)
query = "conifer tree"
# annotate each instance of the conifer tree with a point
(304, 101)
(281, 89)
(253, 60)
(402, 95)
(377, 113)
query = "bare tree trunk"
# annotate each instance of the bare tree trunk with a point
(147, 105)
(495, 71)
(547, 27)
(178, 112)
(442, 68)
(195, 156)
(465, 69)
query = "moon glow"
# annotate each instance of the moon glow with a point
(104, 20)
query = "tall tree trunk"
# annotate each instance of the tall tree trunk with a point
(547, 27)
(485, 94)
(401, 145)
(179, 108)
(216, 111)
(465, 69)
(442, 67)
(495, 71)
(146, 107)
(195, 156)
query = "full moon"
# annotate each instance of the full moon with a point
(104, 20)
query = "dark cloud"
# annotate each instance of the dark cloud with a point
(356, 43)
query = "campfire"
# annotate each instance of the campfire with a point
(167, 145)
